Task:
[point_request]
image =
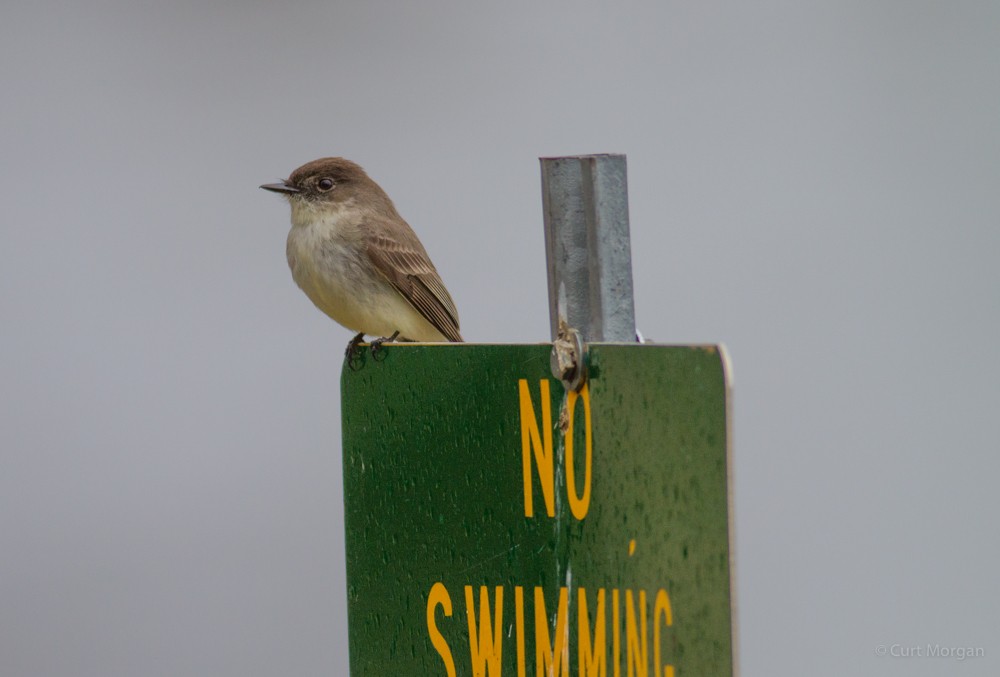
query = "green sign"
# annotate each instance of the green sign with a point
(498, 526)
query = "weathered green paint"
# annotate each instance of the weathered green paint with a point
(434, 493)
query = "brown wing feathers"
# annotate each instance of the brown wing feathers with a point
(407, 266)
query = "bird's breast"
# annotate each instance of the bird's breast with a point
(329, 263)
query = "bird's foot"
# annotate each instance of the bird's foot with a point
(377, 350)
(353, 355)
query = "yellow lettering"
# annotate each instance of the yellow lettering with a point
(579, 504)
(519, 614)
(439, 596)
(591, 656)
(485, 647)
(616, 641)
(532, 438)
(661, 607)
(638, 646)
(555, 657)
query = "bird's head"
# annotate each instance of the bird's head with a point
(331, 181)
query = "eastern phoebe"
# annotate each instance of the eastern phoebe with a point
(357, 259)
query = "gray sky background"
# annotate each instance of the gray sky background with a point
(816, 185)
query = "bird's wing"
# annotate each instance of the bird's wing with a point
(401, 258)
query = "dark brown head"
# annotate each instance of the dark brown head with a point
(333, 180)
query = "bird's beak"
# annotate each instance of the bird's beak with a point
(282, 187)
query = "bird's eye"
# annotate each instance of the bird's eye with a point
(325, 184)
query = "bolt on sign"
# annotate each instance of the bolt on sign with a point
(497, 525)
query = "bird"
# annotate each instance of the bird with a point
(358, 261)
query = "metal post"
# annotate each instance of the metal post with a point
(587, 247)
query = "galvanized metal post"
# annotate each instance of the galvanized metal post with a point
(587, 246)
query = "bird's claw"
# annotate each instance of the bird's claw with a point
(355, 360)
(378, 353)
